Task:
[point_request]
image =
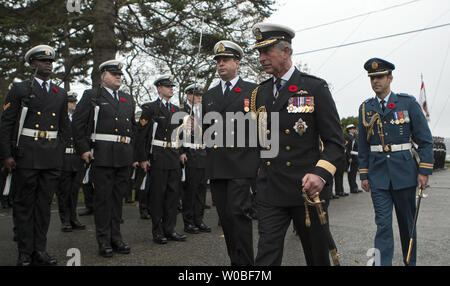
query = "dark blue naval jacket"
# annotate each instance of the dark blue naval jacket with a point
(396, 168)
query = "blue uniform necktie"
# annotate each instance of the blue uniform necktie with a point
(383, 108)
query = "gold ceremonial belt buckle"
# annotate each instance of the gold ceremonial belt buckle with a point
(168, 145)
(123, 139)
(387, 148)
(42, 134)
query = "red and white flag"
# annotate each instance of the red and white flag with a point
(423, 100)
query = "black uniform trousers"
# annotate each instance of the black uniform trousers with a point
(69, 186)
(165, 190)
(128, 195)
(231, 197)
(273, 222)
(33, 194)
(339, 178)
(194, 196)
(352, 175)
(109, 186)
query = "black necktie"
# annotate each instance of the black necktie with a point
(383, 108)
(44, 86)
(115, 95)
(227, 89)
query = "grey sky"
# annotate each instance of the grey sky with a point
(424, 52)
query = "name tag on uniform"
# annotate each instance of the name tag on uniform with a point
(301, 104)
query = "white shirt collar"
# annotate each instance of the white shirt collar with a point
(386, 99)
(110, 91)
(40, 81)
(233, 83)
(164, 101)
(285, 78)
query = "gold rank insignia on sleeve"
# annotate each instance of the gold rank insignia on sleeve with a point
(143, 122)
(6, 106)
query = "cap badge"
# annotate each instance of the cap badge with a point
(374, 65)
(221, 48)
(258, 34)
(47, 52)
(119, 66)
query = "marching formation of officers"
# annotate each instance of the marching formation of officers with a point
(440, 152)
(52, 147)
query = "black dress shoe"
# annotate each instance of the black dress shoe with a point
(145, 216)
(41, 258)
(77, 225)
(121, 247)
(159, 239)
(86, 212)
(105, 251)
(65, 227)
(334, 197)
(24, 260)
(130, 201)
(343, 194)
(207, 207)
(203, 228)
(189, 228)
(176, 237)
(356, 191)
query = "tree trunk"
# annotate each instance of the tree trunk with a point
(104, 44)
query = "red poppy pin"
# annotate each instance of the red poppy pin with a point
(391, 105)
(122, 99)
(173, 110)
(237, 89)
(293, 88)
(55, 89)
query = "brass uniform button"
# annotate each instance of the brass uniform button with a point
(268, 163)
(288, 148)
(216, 121)
(37, 125)
(267, 132)
(287, 131)
(215, 133)
(51, 126)
(116, 119)
(116, 130)
(268, 148)
(128, 119)
(386, 134)
(128, 130)
(53, 114)
(232, 132)
(39, 113)
(288, 164)
(215, 146)
(389, 156)
(35, 139)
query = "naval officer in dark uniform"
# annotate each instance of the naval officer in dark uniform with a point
(71, 177)
(231, 168)
(351, 152)
(38, 157)
(311, 144)
(159, 153)
(387, 125)
(105, 143)
(194, 161)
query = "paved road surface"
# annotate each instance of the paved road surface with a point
(351, 218)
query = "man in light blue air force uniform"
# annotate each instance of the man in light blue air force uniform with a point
(388, 124)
